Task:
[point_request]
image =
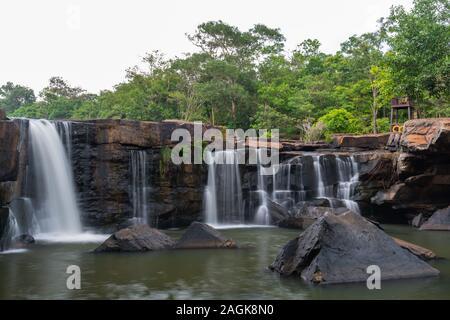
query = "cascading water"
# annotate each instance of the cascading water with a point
(223, 193)
(139, 185)
(262, 215)
(65, 132)
(9, 232)
(348, 177)
(55, 204)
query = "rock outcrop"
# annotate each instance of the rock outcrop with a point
(136, 238)
(101, 162)
(366, 141)
(202, 236)
(427, 136)
(440, 220)
(340, 248)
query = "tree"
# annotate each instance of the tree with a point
(419, 54)
(364, 54)
(14, 96)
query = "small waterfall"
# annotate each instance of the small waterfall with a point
(139, 185)
(55, 203)
(262, 215)
(9, 232)
(223, 193)
(65, 132)
(210, 195)
(348, 177)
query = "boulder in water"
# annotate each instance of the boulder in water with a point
(23, 240)
(340, 248)
(440, 220)
(202, 236)
(136, 238)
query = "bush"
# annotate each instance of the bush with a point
(312, 132)
(340, 121)
(383, 125)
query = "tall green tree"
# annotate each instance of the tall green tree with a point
(13, 96)
(419, 54)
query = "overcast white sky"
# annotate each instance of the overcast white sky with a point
(91, 43)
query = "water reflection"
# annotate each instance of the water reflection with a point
(199, 274)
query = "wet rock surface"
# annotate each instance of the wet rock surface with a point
(339, 248)
(202, 236)
(440, 220)
(136, 238)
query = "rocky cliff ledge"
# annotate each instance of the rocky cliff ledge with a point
(418, 178)
(415, 179)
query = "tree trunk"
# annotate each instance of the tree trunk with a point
(374, 109)
(233, 111)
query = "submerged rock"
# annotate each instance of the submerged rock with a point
(202, 236)
(23, 240)
(339, 248)
(136, 238)
(440, 220)
(420, 252)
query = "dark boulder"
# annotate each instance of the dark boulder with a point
(202, 236)
(440, 220)
(340, 248)
(23, 240)
(136, 238)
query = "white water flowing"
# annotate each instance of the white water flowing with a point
(348, 177)
(55, 206)
(139, 185)
(223, 193)
(9, 233)
(262, 216)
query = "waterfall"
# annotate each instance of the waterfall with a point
(139, 185)
(55, 203)
(223, 193)
(348, 177)
(9, 232)
(65, 132)
(262, 215)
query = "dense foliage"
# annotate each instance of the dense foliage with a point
(246, 79)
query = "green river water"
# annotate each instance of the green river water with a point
(40, 271)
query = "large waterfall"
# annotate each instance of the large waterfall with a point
(139, 185)
(55, 202)
(223, 193)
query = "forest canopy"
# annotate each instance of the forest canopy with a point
(246, 78)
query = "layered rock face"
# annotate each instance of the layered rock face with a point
(13, 158)
(101, 152)
(420, 174)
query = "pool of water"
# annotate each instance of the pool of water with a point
(40, 271)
